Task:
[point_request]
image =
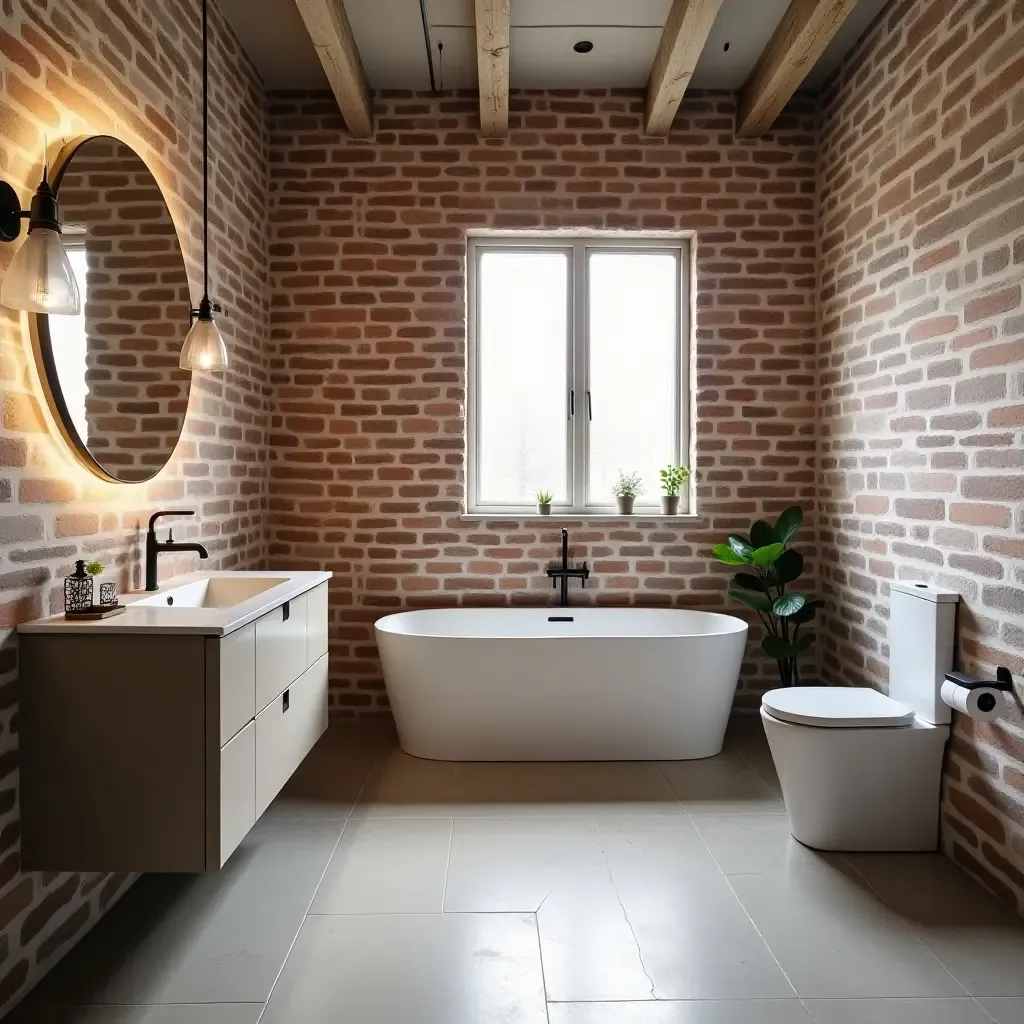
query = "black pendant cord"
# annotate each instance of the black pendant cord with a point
(206, 158)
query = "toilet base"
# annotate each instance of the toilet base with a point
(860, 790)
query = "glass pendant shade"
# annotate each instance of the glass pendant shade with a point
(41, 279)
(204, 348)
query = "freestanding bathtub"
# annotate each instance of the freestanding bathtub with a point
(560, 684)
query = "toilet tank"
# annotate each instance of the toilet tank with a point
(922, 622)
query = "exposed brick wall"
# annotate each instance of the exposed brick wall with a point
(132, 70)
(922, 391)
(367, 266)
(138, 298)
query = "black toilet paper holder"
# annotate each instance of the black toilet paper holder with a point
(1002, 681)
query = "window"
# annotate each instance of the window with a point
(577, 368)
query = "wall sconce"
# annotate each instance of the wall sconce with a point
(40, 278)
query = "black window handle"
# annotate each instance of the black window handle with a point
(572, 404)
(590, 410)
(286, 609)
(286, 700)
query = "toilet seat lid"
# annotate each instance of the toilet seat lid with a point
(836, 707)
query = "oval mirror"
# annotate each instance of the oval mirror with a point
(111, 373)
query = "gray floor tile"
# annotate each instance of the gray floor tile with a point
(979, 940)
(554, 867)
(695, 939)
(751, 844)
(1004, 1010)
(725, 784)
(214, 938)
(835, 938)
(194, 1013)
(696, 1011)
(387, 866)
(412, 969)
(896, 1011)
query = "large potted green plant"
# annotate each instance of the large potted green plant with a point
(770, 568)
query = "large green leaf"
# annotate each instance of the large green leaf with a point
(749, 581)
(789, 566)
(802, 643)
(767, 555)
(808, 612)
(742, 547)
(777, 648)
(788, 523)
(788, 604)
(759, 601)
(724, 553)
(761, 534)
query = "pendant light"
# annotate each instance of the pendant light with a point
(204, 348)
(40, 278)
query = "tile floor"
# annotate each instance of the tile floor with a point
(379, 889)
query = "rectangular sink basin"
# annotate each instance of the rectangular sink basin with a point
(212, 592)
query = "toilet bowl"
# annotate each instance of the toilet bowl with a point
(859, 770)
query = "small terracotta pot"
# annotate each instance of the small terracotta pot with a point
(670, 504)
(625, 505)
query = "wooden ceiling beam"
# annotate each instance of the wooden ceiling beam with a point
(807, 27)
(328, 28)
(686, 31)
(493, 31)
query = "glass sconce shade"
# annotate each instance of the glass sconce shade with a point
(204, 348)
(41, 278)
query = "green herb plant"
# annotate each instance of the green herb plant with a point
(544, 497)
(94, 568)
(627, 485)
(770, 567)
(672, 478)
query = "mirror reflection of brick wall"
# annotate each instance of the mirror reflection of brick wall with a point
(136, 311)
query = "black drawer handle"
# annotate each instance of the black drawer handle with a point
(286, 608)
(286, 700)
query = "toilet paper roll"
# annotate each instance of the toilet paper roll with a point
(984, 703)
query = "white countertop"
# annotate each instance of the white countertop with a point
(205, 621)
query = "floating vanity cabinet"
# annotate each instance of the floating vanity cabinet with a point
(157, 750)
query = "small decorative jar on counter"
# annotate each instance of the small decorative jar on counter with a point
(108, 595)
(78, 590)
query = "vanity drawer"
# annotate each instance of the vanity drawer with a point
(237, 792)
(280, 649)
(316, 624)
(286, 731)
(237, 680)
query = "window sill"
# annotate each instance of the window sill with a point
(576, 517)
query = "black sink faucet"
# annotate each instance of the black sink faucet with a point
(154, 547)
(581, 573)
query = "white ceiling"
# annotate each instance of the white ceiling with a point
(389, 34)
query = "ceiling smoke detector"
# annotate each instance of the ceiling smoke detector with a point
(583, 46)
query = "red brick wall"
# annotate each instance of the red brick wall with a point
(131, 70)
(922, 391)
(367, 271)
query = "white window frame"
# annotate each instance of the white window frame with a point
(577, 247)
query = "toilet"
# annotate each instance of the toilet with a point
(861, 771)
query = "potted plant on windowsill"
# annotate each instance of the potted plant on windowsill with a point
(626, 488)
(672, 478)
(544, 499)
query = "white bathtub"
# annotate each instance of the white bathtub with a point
(509, 684)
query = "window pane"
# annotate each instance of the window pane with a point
(522, 375)
(634, 337)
